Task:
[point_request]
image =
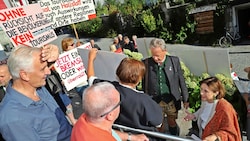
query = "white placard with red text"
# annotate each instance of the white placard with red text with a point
(86, 46)
(67, 12)
(70, 67)
(27, 26)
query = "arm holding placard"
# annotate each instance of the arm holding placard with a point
(91, 73)
(50, 53)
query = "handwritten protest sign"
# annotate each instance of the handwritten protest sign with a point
(27, 25)
(65, 12)
(70, 67)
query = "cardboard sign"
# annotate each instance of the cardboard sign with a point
(65, 12)
(242, 86)
(70, 67)
(105, 64)
(27, 26)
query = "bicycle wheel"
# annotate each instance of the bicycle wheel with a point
(225, 42)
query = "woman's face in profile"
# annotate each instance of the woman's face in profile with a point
(71, 46)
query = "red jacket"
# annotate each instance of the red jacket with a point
(224, 123)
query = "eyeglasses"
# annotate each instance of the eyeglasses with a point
(118, 104)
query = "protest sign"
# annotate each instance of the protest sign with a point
(2, 4)
(243, 86)
(86, 46)
(65, 12)
(70, 67)
(27, 26)
(105, 63)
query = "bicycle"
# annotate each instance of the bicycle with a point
(226, 40)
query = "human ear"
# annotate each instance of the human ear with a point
(24, 75)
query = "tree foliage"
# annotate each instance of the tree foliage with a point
(89, 27)
(148, 21)
(148, 18)
(193, 86)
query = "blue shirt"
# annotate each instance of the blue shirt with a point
(23, 119)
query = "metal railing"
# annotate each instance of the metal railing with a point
(154, 134)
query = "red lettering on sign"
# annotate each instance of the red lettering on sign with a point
(12, 14)
(20, 39)
(62, 60)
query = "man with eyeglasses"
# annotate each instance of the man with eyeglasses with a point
(138, 110)
(101, 105)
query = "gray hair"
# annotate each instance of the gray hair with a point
(156, 42)
(98, 99)
(21, 59)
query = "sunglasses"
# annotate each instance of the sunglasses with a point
(118, 104)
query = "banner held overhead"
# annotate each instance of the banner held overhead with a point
(26, 26)
(66, 12)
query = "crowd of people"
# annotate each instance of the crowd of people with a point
(120, 43)
(34, 103)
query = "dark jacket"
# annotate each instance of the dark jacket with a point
(96, 46)
(129, 46)
(54, 86)
(2, 93)
(174, 75)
